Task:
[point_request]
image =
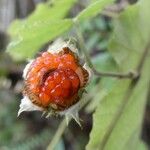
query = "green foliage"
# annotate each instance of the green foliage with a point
(132, 37)
(96, 40)
(50, 11)
(119, 104)
(118, 117)
(8, 122)
(29, 39)
(33, 142)
(44, 25)
(105, 131)
(37, 140)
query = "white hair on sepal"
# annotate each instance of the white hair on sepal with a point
(71, 43)
(89, 70)
(27, 105)
(72, 113)
(25, 71)
(59, 44)
(56, 46)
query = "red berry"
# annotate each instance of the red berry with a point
(52, 78)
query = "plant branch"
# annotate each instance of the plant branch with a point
(58, 135)
(98, 73)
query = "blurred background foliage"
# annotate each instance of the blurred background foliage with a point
(115, 41)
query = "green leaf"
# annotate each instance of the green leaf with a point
(29, 39)
(42, 26)
(129, 122)
(134, 33)
(118, 117)
(141, 146)
(92, 10)
(46, 12)
(54, 10)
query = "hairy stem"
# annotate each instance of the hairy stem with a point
(58, 135)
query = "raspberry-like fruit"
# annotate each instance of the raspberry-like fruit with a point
(54, 80)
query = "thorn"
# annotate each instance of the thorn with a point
(20, 111)
(49, 114)
(44, 112)
(76, 118)
(67, 119)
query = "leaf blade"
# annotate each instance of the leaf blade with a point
(127, 50)
(25, 45)
(29, 34)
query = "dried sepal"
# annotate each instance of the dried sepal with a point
(27, 105)
(25, 71)
(59, 44)
(45, 89)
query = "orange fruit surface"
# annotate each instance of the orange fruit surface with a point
(52, 80)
